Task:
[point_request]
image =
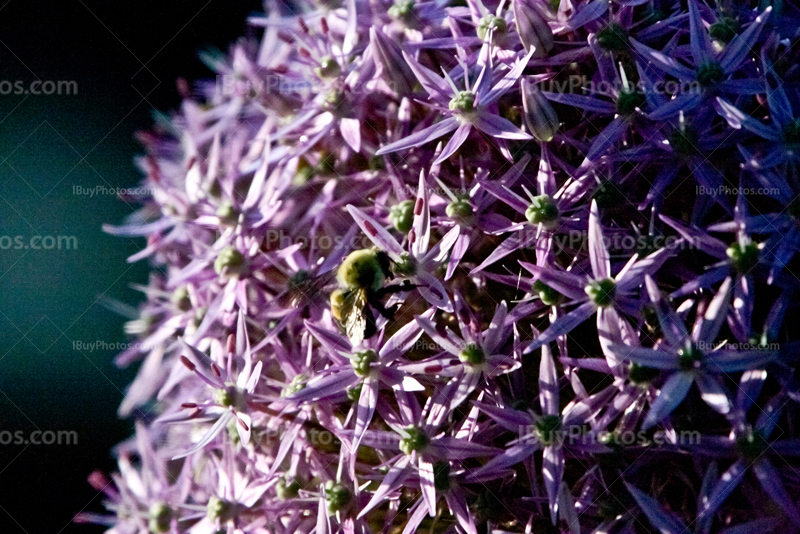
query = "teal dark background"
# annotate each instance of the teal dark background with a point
(48, 145)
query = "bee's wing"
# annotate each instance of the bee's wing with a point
(357, 318)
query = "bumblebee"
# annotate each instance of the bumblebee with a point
(362, 277)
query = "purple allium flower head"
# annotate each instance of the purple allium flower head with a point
(369, 311)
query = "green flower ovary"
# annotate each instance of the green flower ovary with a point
(628, 101)
(472, 355)
(180, 299)
(286, 490)
(547, 427)
(752, 444)
(229, 260)
(725, 29)
(547, 294)
(401, 9)
(613, 38)
(337, 496)
(491, 22)
(401, 216)
(415, 440)
(639, 374)
(602, 292)
(298, 383)
(791, 132)
(690, 358)
(684, 141)
(227, 213)
(354, 393)
(710, 74)
(463, 101)
(328, 68)
(743, 257)
(160, 518)
(461, 209)
(405, 266)
(229, 397)
(542, 210)
(361, 362)
(361, 270)
(217, 508)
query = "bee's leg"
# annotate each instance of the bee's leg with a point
(370, 329)
(396, 288)
(387, 313)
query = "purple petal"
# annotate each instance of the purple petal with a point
(738, 49)
(669, 397)
(455, 141)
(497, 126)
(421, 137)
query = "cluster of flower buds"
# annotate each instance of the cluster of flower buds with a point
(475, 267)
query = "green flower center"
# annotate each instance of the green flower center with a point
(547, 294)
(227, 396)
(628, 101)
(298, 383)
(725, 29)
(791, 133)
(361, 362)
(459, 209)
(227, 213)
(402, 216)
(463, 102)
(337, 496)
(361, 270)
(286, 490)
(542, 211)
(328, 68)
(217, 508)
(690, 358)
(405, 266)
(639, 374)
(180, 299)
(354, 393)
(299, 279)
(441, 476)
(602, 292)
(472, 355)
(752, 444)
(160, 518)
(608, 195)
(743, 257)
(493, 23)
(401, 9)
(230, 261)
(684, 141)
(710, 74)
(415, 440)
(547, 427)
(613, 38)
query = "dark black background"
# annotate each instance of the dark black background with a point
(125, 58)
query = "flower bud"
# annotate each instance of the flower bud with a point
(229, 262)
(540, 117)
(337, 497)
(602, 292)
(402, 216)
(393, 67)
(531, 17)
